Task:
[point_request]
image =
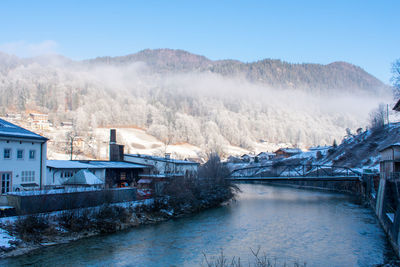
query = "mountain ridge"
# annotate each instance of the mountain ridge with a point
(337, 75)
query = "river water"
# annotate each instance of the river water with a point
(288, 225)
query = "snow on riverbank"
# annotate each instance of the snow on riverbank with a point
(6, 240)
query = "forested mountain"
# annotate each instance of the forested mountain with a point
(181, 97)
(276, 73)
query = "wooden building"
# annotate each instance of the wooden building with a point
(287, 152)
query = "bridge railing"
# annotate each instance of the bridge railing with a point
(295, 171)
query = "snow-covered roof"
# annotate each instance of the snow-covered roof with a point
(319, 148)
(397, 106)
(117, 165)
(75, 164)
(161, 175)
(290, 150)
(156, 158)
(389, 146)
(266, 154)
(83, 177)
(8, 129)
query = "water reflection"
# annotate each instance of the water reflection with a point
(322, 229)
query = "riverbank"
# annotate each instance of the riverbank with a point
(24, 234)
(288, 225)
(180, 197)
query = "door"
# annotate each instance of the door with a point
(5, 182)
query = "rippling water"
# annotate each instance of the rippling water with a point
(289, 225)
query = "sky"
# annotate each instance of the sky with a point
(365, 33)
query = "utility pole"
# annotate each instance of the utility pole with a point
(72, 147)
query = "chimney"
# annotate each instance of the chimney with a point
(116, 152)
(113, 136)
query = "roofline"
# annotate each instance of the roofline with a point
(397, 106)
(389, 146)
(16, 137)
(144, 166)
(162, 159)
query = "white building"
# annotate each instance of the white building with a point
(165, 166)
(22, 158)
(266, 156)
(111, 173)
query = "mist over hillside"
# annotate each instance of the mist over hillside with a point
(177, 96)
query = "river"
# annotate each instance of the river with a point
(287, 224)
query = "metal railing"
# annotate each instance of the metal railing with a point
(295, 170)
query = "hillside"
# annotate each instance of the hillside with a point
(356, 151)
(275, 73)
(178, 97)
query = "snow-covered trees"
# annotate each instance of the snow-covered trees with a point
(396, 77)
(203, 109)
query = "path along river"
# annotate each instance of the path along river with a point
(319, 228)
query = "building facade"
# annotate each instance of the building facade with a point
(112, 173)
(164, 165)
(22, 158)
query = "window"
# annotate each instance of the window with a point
(67, 174)
(28, 176)
(5, 182)
(7, 153)
(32, 154)
(20, 154)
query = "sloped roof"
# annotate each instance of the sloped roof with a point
(266, 154)
(389, 146)
(290, 150)
(8, 129)
(83, 177)
(397, 106)
(92, 164)
(156, 158)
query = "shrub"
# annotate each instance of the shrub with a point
(76, 222)
(31, 228)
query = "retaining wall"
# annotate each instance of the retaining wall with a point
(30, 204)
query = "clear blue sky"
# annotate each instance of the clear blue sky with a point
(365, 33)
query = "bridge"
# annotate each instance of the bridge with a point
(281, 172)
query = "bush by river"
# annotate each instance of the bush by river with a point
(180, 197)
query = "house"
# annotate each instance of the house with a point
(163, 169)
(389, 182)
(23, 158)
(390, 160)
(265, 156)
(165, 166)
(67, 124)
(111, 173)
(247, 158)
(287, 152)
(39, 121)
(319, 148)
(233, 159)
(397, 106)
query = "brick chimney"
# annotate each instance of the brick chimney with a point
(116, 152)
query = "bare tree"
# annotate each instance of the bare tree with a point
(377, 117)
(70, 144)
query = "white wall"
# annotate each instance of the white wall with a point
(17, 166)
(388, 153)
(163, 166)
(53, 176)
